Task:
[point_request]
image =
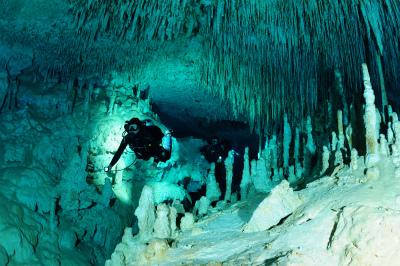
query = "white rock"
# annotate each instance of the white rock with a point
(212, 189)
(281, 202)
(173, 213)
(325, 159)
(145, 213)
(187, 222)
(380, 246)
(370, 121)
(162, 227)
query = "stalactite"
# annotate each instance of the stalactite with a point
(279, 45)
(384, 98)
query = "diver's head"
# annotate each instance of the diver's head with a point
(214, 140)
(133, 128)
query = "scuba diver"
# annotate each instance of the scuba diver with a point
(146, 140)
(216, 152)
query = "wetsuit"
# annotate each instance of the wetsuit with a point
(145, 144)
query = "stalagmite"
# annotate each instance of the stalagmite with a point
(378, 123)
(354, 159)
(261, 179)
(229, 175)
(383, 146)
(389, 111)
(338, 157)
(310, 141)
(396, 145)
(292, 178)
(299, 170)
(173, 213)
(213, 191)
(340, 130)
(394, 117)
(310, 147)
(145, 213)
(370, 120)
(187, 222)
(390, 134)
(253, 171)
(296, 145)
(325, 159)
(396, 156)
(162, 227)
(202, 206)
(349, 136)
(287, 137)
(334, 142)
(244, 184)
(274, 152)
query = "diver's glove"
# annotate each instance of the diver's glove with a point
(107, 169)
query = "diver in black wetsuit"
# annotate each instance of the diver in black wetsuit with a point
(145, 140)
(216, 152)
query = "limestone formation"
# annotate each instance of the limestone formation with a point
(229, 175)
(246, 177)
(325, 159)
(281, 202)
(187, 222)
(162, 227)
(370, 120)
(213, 191)
(145, 213)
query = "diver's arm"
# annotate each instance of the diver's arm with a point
(119, 152)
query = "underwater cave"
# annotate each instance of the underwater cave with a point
(199, 132)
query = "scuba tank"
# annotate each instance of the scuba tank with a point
(166, 141)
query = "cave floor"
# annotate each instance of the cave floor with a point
(346, 219)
